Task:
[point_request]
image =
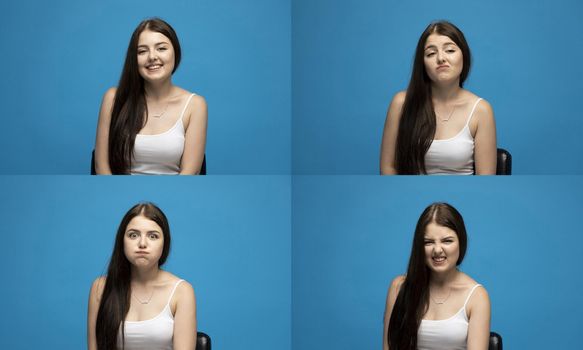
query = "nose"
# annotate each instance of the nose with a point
(440, 57)
(152, 55)
(437, 249)
(142, 242)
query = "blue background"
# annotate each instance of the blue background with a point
(230, 239)
(353, 235)
(350, 57)
(61, 56)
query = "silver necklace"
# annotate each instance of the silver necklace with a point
(443, 301)
(448, 117)
(158, 116)
(144, 302)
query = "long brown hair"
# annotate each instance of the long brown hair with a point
(413, 297)
(128, 115)
(417, 123)
(115, 300)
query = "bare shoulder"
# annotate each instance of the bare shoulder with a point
(396, 284)
(109, 94)
(399, 99)
(97, 287)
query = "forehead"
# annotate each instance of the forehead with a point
(142, 223)
(438, 40)
(435, 231)
(148, 37)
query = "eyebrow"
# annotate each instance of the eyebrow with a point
(160, 43)
(435, 46)
(135, 230)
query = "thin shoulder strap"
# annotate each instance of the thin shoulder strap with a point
(473, 109)
(185, 105)
(173, 290)
(471, 292)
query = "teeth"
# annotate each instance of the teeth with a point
(439, 259)
(154, 67)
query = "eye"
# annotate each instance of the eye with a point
(153, 236)
(450, 51)
(430, 54)
(141, 52)
(132, 234)
(428, 242)
(162, 49)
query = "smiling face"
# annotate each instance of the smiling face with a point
(443, 59)
(442, 248)
(143, 242)
(156, 57)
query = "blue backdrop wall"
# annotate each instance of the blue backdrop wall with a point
(65, 54)
(230, 239)
(351, 57)
(353, 235)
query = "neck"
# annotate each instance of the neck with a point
(158, 91)
(445, 92)
(442, 279)
(144, 276)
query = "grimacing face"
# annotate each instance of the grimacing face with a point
(443, 59)
(143, 242)
(156, 57)
(442, 248)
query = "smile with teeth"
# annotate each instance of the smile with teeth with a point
(154, 66)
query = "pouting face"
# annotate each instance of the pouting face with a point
(143, 242)
(442, 248)
(443, 59)
(155, 56)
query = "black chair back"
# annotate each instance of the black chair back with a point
(503, 162)
(203, 341)
(495, 341)
(202, 167)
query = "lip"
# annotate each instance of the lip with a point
(442, 67)
(157, 67)
(441, 262)
(142, 252)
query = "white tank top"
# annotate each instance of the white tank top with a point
(453, 156)
(448, 334)
(160, 154)
(153, 334)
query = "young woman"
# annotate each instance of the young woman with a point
(436, 126)
(435, 306)
(138, 305)
(148, 125)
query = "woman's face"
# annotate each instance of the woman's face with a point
(442, 248)
(155, 56)
(443, 59)
(143, 242)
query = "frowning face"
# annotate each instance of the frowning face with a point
(442, 248)
(443, 59)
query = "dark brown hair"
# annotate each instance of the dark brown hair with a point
(115, 300)
(413, 297)
(417, 123)
(128, 115)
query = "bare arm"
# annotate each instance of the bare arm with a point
(185, 318)
(391, 298)
(93, 308)
(485, 140)
(478, 309)
(389, 142)
(102, 138)
(195, 138)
